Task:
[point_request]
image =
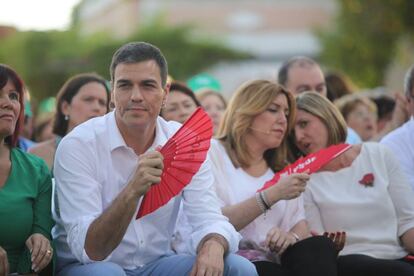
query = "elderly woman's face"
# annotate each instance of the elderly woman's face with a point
(215, 108)
(310, 132)
(179, 107)
(363, 121)
(9, 109)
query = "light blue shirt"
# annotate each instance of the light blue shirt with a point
(353, 137)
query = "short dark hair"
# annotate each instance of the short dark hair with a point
(66, 93)
(409, 82)
(282, 77)
(8, 74)
(134, 52)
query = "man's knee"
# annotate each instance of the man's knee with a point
(239, 266)
(93, 269)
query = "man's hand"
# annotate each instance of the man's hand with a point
(210, 257)
(4, 262)
(40, 250)
(148, 172)
(278, 240)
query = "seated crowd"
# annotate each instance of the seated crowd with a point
(68, 206)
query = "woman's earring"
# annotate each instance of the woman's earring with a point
(66, 117)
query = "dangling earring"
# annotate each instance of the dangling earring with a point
(66, 117)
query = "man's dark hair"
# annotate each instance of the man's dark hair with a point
(409, 82)
(134, 52)
(282, 76)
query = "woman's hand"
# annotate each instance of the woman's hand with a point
(4, 262)
(288, 187)
(338, 238)
(40, 250)
(278, 240)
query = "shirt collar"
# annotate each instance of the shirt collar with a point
(114, 135)
(116, 140)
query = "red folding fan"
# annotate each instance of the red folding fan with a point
(311, 162)
(183, 155)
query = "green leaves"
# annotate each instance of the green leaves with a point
(46, 59)
(365, 37)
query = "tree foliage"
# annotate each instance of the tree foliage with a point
(364, 39)
(46, 59)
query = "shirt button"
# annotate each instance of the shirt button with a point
(141, 241)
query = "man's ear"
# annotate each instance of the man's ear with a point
(166, 93)
(167, 88)
(111, 96)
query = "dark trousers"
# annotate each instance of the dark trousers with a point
(362, 265)
(315, 256)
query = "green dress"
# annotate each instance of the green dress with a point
(25, 201)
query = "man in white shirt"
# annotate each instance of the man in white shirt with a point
(299, 74)
(104, 167)
(401, 140)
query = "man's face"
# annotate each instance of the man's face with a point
(138, 94)
(305, 77)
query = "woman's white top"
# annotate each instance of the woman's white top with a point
(373, 217)
(234, 185)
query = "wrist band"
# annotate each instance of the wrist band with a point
(260, 203)
(264, 198)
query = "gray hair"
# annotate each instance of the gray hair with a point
(134, 52)
(409, 82)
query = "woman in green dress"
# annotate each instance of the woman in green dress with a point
(25, 191)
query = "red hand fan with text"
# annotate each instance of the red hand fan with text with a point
(183, 155)
(311, 162)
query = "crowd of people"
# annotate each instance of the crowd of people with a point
(68, 205)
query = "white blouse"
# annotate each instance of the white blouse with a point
(234, 185)
(373, 217)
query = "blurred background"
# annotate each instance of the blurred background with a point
(231, 41)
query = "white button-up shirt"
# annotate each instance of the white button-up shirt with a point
(93, 164)
(401, 143)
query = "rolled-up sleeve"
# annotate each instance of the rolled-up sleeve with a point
(78, 191)
(201, 206)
